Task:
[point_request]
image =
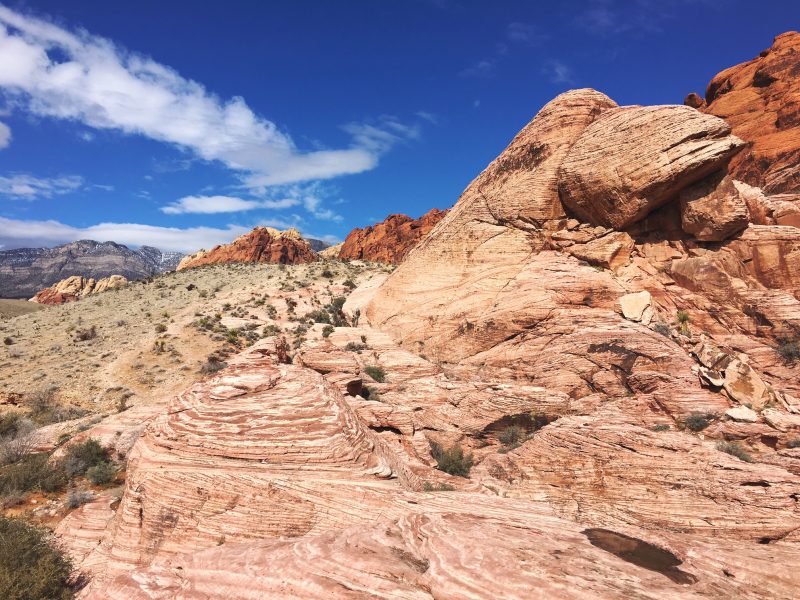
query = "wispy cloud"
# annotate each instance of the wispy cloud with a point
(557, 71)
(611, 17)
(27, 187)
(516, 34)
(427, 116)
(482, 68)
(23, 233)
(223, 204)
(52, 72)
(5, 135)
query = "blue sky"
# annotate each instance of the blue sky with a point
(184, 124)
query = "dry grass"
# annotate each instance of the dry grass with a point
(15, 308)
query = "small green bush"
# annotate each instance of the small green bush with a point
(452, 461)
(101, 473)
(31, 568)
(697, 421)
(33, 472)
(161, 328)
(328, 330)
(662, 427)
(8, 341)
(376, 372)
(511, 435)
(82, 457)
(734, 449)
(682, 317)
(437, 487)
(77, 498)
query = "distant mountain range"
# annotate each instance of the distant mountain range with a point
(25, 271)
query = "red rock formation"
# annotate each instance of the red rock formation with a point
(390, 240)
(262, 245)
(760, 99)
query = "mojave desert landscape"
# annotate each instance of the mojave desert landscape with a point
(580, 380)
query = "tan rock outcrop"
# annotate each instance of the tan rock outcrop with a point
(262, 245)
(674, 147)
(713, 209)
(76, 287)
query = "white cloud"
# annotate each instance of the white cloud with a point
(28, 187)
(525, 33)
(56, 73)
(21, 233)
(223, 204)
(5, 135)
(557, 71)
(427, 116)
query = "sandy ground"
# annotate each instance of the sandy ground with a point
(15, 308)
(147, 344)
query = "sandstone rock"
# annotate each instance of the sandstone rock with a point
(694, 100)
(262, 245)
(637, 306)
(76, 287)
(674, 147)
(760, 99)
(331, 252)
(610, 251)
(390, 240)
(742, 413)
(739, 379)
(713, 209)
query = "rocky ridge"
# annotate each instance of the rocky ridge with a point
(262, 245)
(25, 271)
(760, 99)
(390, 240)
(76, 287)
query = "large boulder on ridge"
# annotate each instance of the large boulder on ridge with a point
(633, 160)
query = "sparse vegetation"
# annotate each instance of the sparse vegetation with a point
(83, 335)
(789, 350)
(661, 427)
(213, 364)
(101, 473)
(370, 393)
(31, 567)
(377, 373)
(328, 330)
(452, 461)
(437, 487)
(697, 421)
(77, 498)
(511, 435)
(161, 328)
(734, 449)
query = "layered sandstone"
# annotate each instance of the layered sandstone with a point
(77, 287)
(390, 240)
(760, 99)
(262, 245)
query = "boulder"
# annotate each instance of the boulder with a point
(637, 306)
(632, 160)
(742, 414)
(712, 209)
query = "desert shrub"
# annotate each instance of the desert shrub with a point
(734, 449)
(212, 365)
(44, 409)
(437, 487)
(319, 316)
(355, 347)
(77, 498)
(101, 473)
(161, 328)
(16, 442)
(31, 567)
(9, 423)
(662, 427)
(376, 372)
(8, 341)
(511, 435)
(697, 421)
(328, 330)
(32, 472)
(326, 273)
(789, 350)
(81, 457)
(349, 284)
(662, 328)
(452, 461)
(795, 443)
(82, 335)
(682, 317)
(337, 303)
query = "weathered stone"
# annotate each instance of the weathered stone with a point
(673, 146)
(712, 209)
(637, 306)
(742, 413)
